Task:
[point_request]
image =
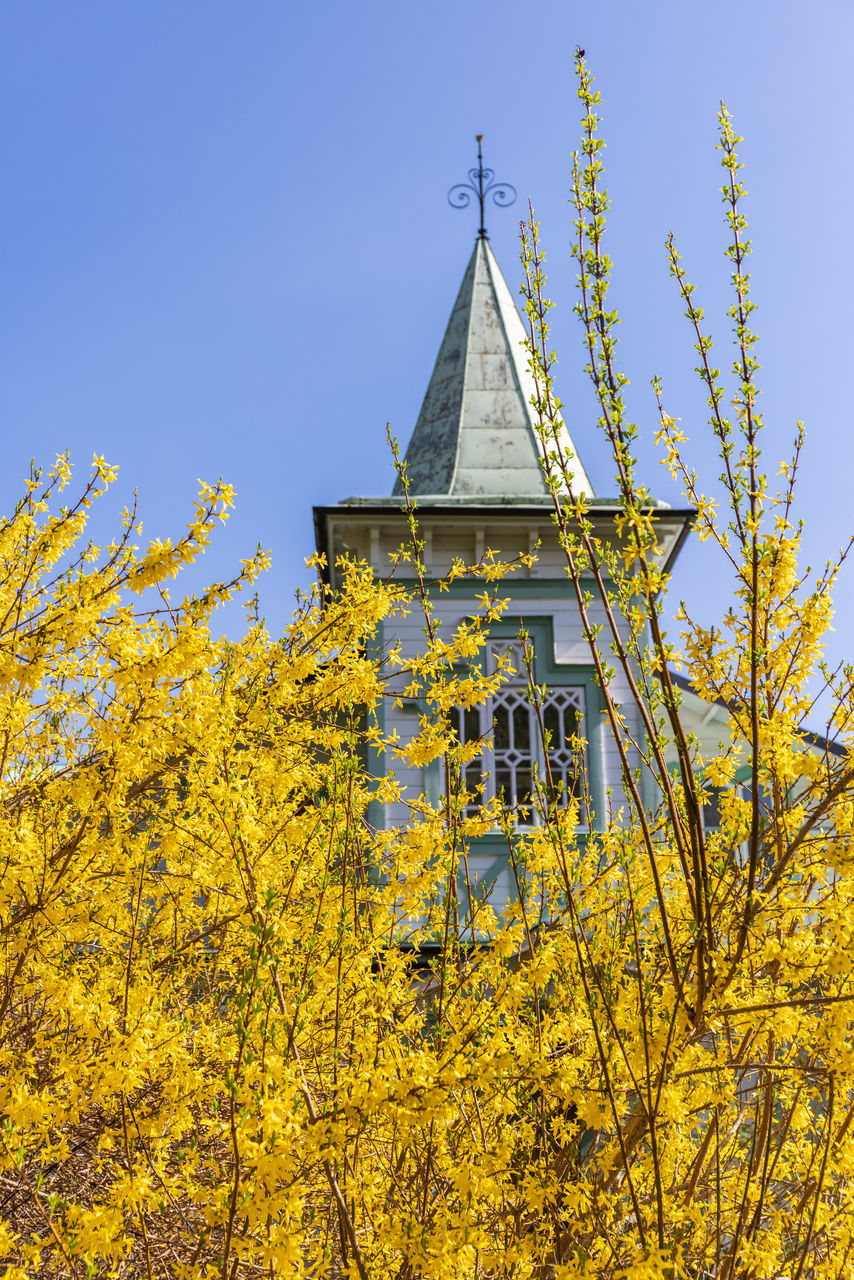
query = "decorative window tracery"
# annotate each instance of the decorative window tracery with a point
(513, 750)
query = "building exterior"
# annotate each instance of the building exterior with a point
(474, 467)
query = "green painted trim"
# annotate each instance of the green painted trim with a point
(432, 775)
(497, 845)
(376, 759)
(649, 787)
(493, 846)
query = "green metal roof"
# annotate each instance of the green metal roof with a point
(475, 436)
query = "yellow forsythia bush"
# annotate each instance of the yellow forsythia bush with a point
(220, 1054)
(244, 1033)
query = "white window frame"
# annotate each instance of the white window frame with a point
(510, 767)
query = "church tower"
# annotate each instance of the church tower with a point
(473, 463)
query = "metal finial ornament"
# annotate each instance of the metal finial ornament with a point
(481, 184)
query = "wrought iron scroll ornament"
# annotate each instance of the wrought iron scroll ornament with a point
(482, 184)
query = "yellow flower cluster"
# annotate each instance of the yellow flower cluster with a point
(244, 1033)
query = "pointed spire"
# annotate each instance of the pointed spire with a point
(475, 433)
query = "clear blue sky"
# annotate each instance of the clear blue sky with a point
(226, 248)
